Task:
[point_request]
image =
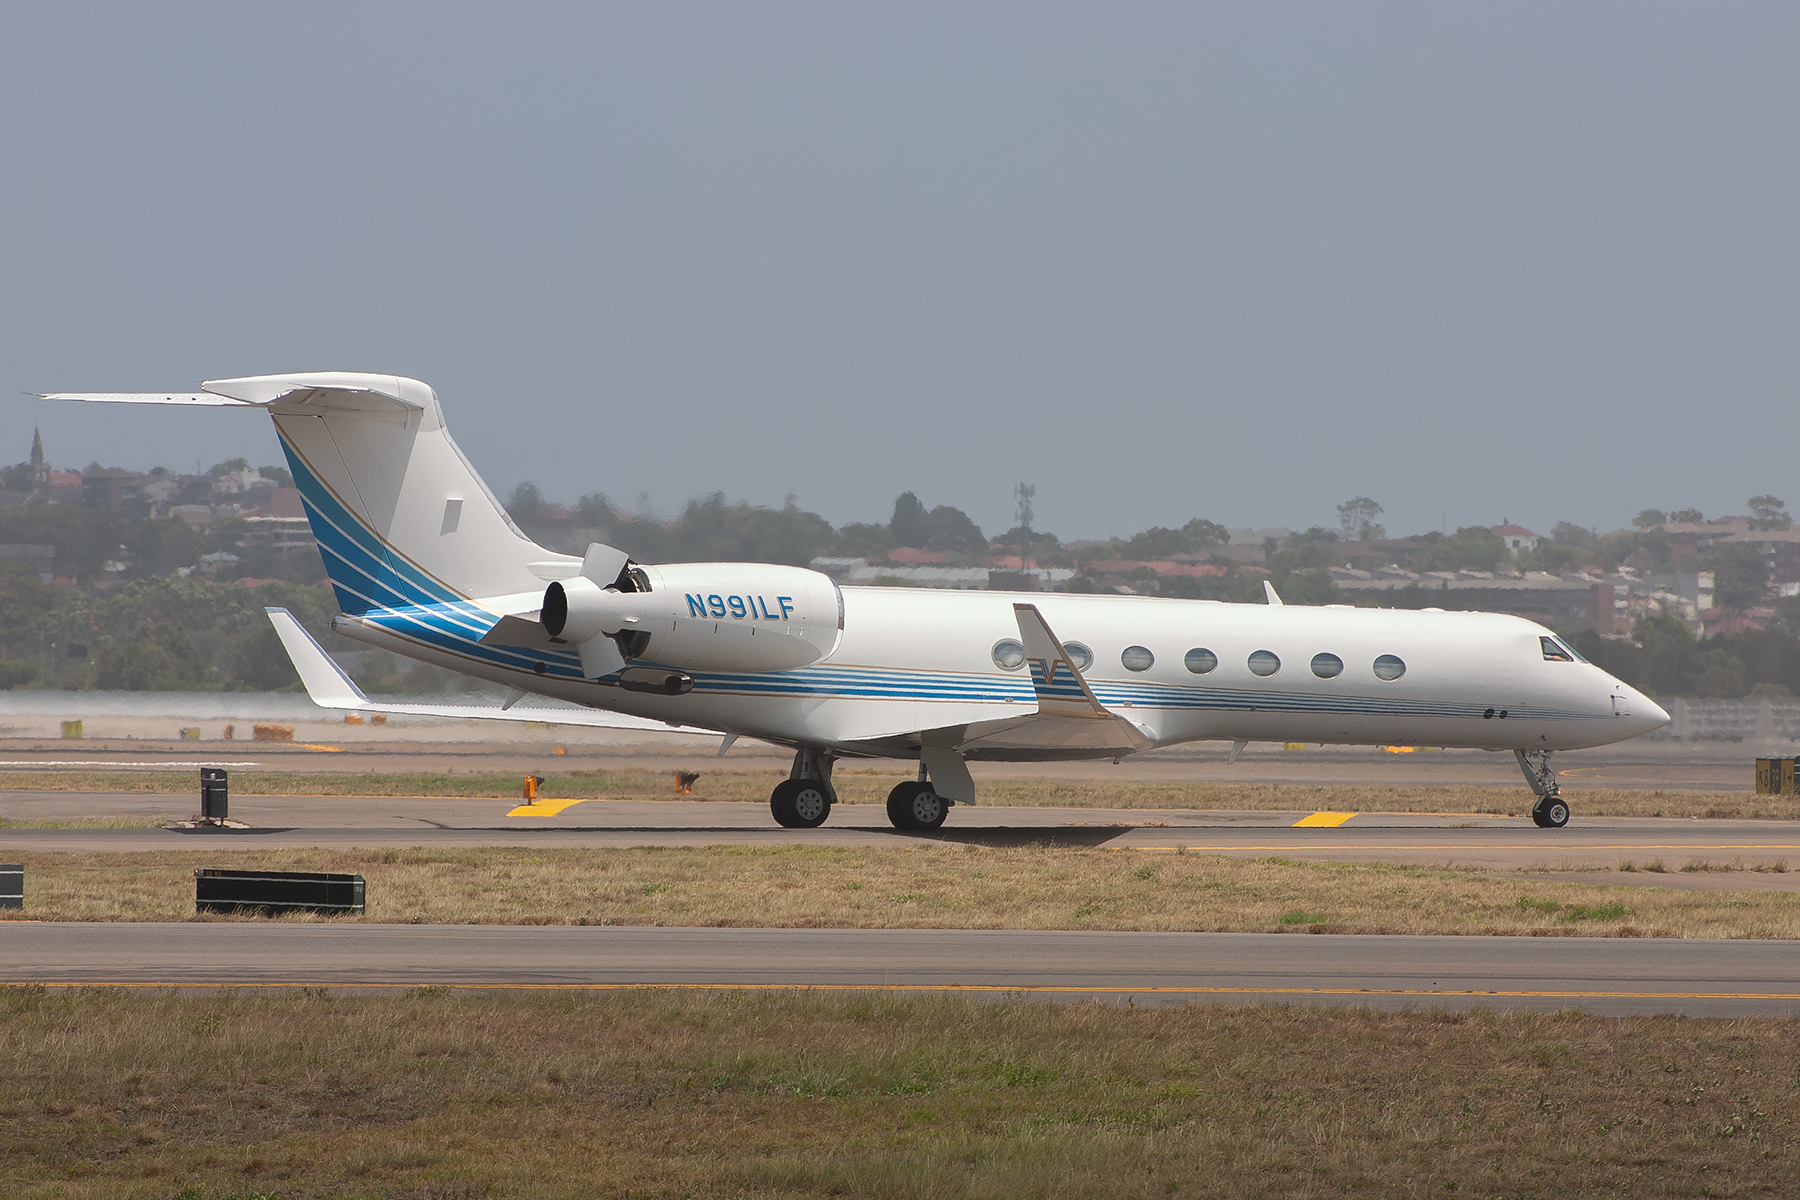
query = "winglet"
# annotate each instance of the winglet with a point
(1269, 591)
(325, 681)
(1060, 688)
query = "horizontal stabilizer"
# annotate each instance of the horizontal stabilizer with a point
(339, 390)
(199, 398)
(328, 687)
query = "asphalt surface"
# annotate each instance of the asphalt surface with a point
(1608, 976)
(1604, 976)
(1587, 844)
(1687, 766)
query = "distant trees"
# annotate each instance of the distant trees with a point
(1356, 520)
(941, 528)
(1564, 533)
(1471, 548)
(1767, 512)
(1664, 659)
(526, 505)
(711, 530)
(159, 657)
(1310, 550)
(1157, 543)
(1740, 579)
(23, 602)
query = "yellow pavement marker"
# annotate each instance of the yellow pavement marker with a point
(1323, 820)
(543, 808)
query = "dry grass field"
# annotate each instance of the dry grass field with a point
(872, 786)
(796, 1094)
(919, 886)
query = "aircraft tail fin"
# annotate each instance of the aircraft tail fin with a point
(400, 515)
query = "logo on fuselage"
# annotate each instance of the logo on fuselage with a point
(740, 608)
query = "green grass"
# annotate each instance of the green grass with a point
(917, 886)
(431, 1093)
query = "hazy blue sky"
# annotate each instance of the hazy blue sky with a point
(1536, 261)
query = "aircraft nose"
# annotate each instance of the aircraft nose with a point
(1643, 713)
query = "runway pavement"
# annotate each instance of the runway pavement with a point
(1608, 976)
(1703, 766)
(1490, 843)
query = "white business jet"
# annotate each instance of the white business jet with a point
(426, 563)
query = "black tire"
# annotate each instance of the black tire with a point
(1551, 812)
(800, 803)
(916, 808)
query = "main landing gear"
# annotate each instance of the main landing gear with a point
(803, 800)
(1551, 811)
(915, 806)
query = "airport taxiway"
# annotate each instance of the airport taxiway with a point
(1608, 976)
(1483, 842)
(431, 748)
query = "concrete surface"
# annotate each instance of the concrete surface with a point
(1602, 975)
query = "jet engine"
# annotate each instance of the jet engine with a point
(698, 617)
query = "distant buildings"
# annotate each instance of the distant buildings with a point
(236, 492)
(270, 509)
(1517, 537)
(1687, 544)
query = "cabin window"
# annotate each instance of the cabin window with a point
(1264, 662)
(1201, 661)
(1137, 658)
(1555, 651)
(1327, 666)
(1008, 655)
(1080, 655)
(1389, 667)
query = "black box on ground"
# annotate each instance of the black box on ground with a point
(219, 891)
(12, 885)
(215, 798)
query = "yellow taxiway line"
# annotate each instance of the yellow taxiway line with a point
(543, 808)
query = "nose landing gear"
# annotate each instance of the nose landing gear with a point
(1551, 811)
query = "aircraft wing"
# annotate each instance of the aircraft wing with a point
(1068, 716)
(328, 687)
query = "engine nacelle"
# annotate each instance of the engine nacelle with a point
(707, 616)
(578, 609)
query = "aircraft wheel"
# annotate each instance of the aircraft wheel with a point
(800, 803)
(915, 807)
(1551, 812)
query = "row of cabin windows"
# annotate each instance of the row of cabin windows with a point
(1010, 656)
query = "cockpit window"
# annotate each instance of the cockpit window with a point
(1555, 651)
